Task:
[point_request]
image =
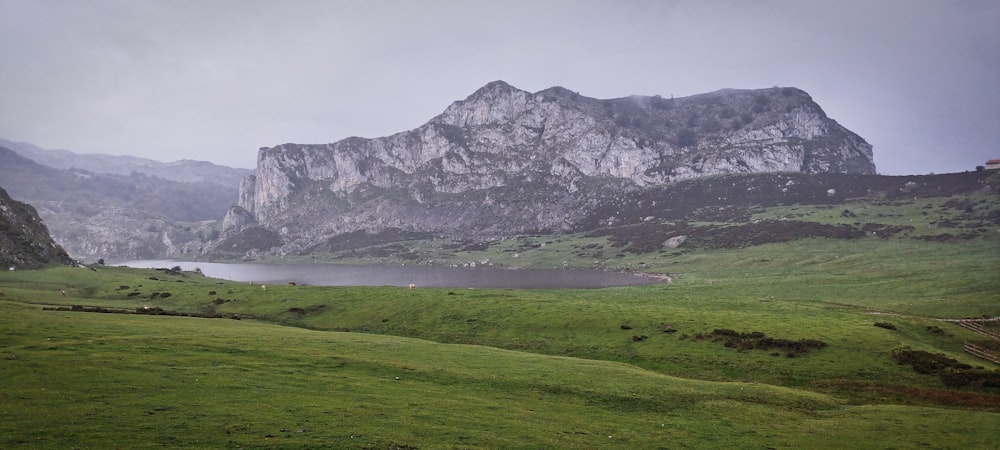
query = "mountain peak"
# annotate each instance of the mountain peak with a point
(495, 102)
(493, 88)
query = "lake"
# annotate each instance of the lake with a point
(392, 275)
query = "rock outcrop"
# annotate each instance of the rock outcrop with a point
(506, 161)
(237, 219)
(25, 242)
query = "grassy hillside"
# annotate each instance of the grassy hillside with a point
(786, 326)
(103, 381)
(318, 366)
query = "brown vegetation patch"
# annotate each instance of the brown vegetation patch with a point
(927, 362)
(950, 371)
(946, 237)
(314, 309)
(756, 340)
(149, 311)
(977, 378)
(885, 231)
(919, 395)
(934, 329)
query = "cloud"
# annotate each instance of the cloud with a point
(215, 80)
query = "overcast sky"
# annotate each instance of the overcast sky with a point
(217, 79)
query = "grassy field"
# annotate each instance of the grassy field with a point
(630, 367)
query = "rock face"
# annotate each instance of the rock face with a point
(507, 161)
(25, 242)
(237, 219)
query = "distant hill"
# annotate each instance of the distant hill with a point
(181, 201)
(104, 215)
(25, 242)
(184, 171)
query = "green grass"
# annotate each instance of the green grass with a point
(126, 381)
(482, 368)
(923, 278)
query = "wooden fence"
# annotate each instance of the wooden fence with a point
(983, 350)
(988, 350)
(977, 325)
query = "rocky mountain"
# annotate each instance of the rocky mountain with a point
(183, 171)
(118, 216)
(505, 161)
(25, 242)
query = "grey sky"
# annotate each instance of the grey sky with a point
(217, 79)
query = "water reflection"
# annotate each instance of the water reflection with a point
(422, 276)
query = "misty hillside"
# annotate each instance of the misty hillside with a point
(184, 171)
(87, 193)
(95, 216)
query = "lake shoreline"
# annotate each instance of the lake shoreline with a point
(335, 274)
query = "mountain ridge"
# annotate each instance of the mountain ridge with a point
(184, 170)
(505, 161)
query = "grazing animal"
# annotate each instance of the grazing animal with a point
(1, 293)
(62, 293)
(292, 283)
(412, 286)
(263, 287)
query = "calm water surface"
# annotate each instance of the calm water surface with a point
(391, 275)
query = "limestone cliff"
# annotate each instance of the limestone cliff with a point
(508, 161)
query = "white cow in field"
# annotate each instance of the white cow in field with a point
(412, 286)
(263, 287)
